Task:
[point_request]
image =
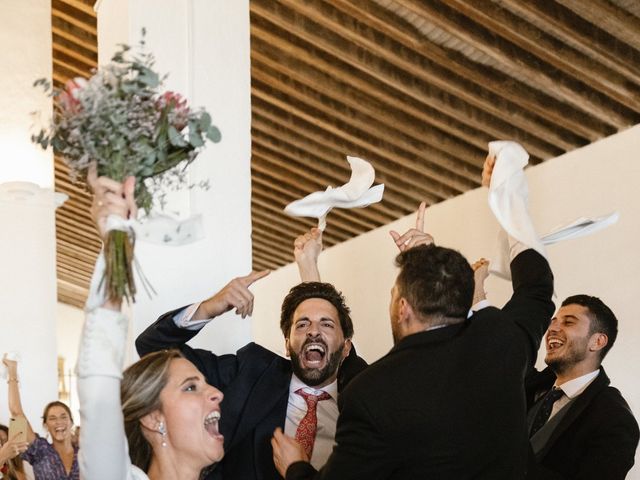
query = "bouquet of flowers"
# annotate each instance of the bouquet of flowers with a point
(120, 120)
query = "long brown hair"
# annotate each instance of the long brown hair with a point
(140, 391)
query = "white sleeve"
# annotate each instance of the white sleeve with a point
(104, 453)
(182, 319)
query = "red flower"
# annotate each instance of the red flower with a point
(177, 109)
(68, 99)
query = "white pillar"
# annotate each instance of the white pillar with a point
(28, 292)
(204, 46)
(27, 211)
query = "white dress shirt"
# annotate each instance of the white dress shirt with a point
(326, 411)
(572, 389)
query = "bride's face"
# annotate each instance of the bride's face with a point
(191, 409)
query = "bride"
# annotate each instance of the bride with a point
(157, 420)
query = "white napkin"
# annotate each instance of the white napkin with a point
(357, 192)
(158, 229)
(508, 199)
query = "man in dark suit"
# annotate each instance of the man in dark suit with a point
(262, 389)
(447, 402)
(580, 427)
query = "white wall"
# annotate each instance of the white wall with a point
(190, 40)
(69, 321)
(595, 180)
(25, 37)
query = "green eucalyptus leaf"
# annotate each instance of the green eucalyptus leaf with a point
(214, 134)
(175, 138)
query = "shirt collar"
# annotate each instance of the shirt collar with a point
(296, 384)
(576, 386)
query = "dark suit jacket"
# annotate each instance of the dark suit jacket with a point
(596, 439)
(255, 383)
(447, 403)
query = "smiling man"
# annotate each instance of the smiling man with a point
(264, 391)
(579, 426)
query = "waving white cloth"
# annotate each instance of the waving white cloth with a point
(508, 199)
(357, 192)
(159, 229)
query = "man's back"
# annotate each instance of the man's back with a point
(445, 403)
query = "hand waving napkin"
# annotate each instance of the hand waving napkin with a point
(357, 192)
(508, 199)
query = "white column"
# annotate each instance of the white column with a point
(28, 293)
(27, 211)
(204, 46)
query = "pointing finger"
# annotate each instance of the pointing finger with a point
(420, 217)
(255, 276)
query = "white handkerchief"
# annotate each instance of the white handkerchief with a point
(357, 192)
(580, 227)
(508, 199)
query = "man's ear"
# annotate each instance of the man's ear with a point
(404, 310)
(347, 348)
(598, 341)
(287, 351)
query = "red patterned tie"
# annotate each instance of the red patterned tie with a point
(306, 432)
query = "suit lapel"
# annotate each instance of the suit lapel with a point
(576, 408)
(261, 398)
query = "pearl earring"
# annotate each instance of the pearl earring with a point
(163, 431)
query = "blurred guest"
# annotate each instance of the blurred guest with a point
(50, 461)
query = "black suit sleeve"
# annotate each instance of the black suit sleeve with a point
(219, 370)
(362, 450)
(530, 306)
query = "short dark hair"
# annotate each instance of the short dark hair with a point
(436, 281)
(307, 290)
(56, 403)
(602, 319)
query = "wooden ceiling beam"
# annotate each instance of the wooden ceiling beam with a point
(87, 62)
(554, 52)
(261, 262)
(268, 219)
(75, 21)
(268, 45)
(58, 30)
(69, 230)
(275, 218)
(603, 14)
(427, 73)
(57, 62)
(442, 184)
(452, 112)
(81, 6)
(563, 24)
(310, 140)
(510, 58)
(272, 250)
(361, 101)
(460, 162)
(574, 124)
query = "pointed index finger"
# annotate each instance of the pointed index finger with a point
(254, 277)
(420, 217)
